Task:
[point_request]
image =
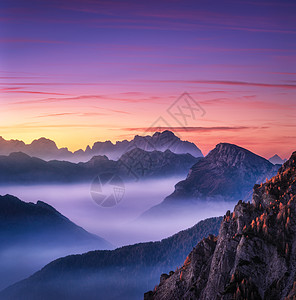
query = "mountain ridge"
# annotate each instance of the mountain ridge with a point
(19, 167)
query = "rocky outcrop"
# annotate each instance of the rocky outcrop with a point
(254, 256)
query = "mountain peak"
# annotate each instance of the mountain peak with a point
(229, 147)
(233, 155)
(228, 171)
(276, 159)
(166, 133)
(19, 155)
(44, 143)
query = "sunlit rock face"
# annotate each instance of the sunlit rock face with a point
(254, 256)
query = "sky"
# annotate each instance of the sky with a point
(83, 71)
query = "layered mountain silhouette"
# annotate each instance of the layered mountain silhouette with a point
(227, 173)
(47, 149)
(277, 160)
(39, 232)
(124, 273)
(135, 164)
(254, 255)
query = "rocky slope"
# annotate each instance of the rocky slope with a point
(47, 149)
(135, 164)
(124, 273)
(254, 256)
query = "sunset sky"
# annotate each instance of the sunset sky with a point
(82, 71)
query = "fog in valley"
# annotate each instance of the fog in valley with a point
(120, 224)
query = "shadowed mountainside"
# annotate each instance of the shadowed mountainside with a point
(31, 232)
(124, 273)
(21, 168)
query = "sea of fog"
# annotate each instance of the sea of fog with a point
(117, 224)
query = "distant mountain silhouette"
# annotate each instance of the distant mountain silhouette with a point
(37, 230)
(42, 148)
(124, 273)
(254, 255)
(227, 173)
(276, 160)
(47, 149)
(137, 163)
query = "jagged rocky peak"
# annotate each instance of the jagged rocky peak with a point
(164, 140)
(254, 256)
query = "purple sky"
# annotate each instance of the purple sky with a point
(94, 69)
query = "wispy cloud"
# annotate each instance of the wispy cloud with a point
(36, 126)
(194, 129)
(89, 97)
(81, 114)
(18, 91)
(232, 83)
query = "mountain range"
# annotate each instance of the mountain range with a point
(47, 149)
(37, 233)
(19, 168)
(124, 273)
(254, 255)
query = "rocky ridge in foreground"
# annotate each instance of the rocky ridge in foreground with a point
(254, 256)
